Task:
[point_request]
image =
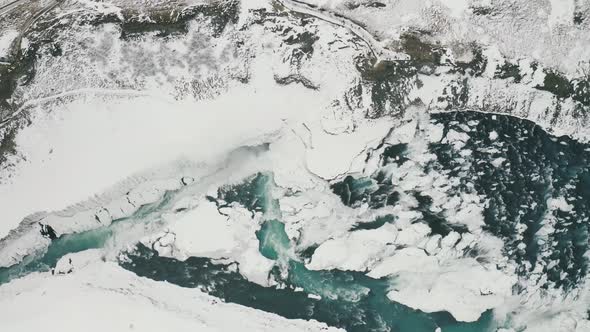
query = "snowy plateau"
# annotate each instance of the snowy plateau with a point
(295, 165)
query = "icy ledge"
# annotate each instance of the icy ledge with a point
(34, 234)
(227, 234)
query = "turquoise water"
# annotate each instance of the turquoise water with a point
(72, 243)
(538, 167)
(57, 249)
(274, 242)
(349, 300)
(252, 194)
(359, 303)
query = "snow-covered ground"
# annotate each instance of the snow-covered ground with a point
(101, 296)
(6, 39)
(205, 232)
(96, 145)
(431, 271)
(112, 127)
(542, 31)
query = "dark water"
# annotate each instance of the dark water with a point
(349, 300)
(538, 167)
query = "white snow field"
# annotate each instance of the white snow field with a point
(111, 120)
